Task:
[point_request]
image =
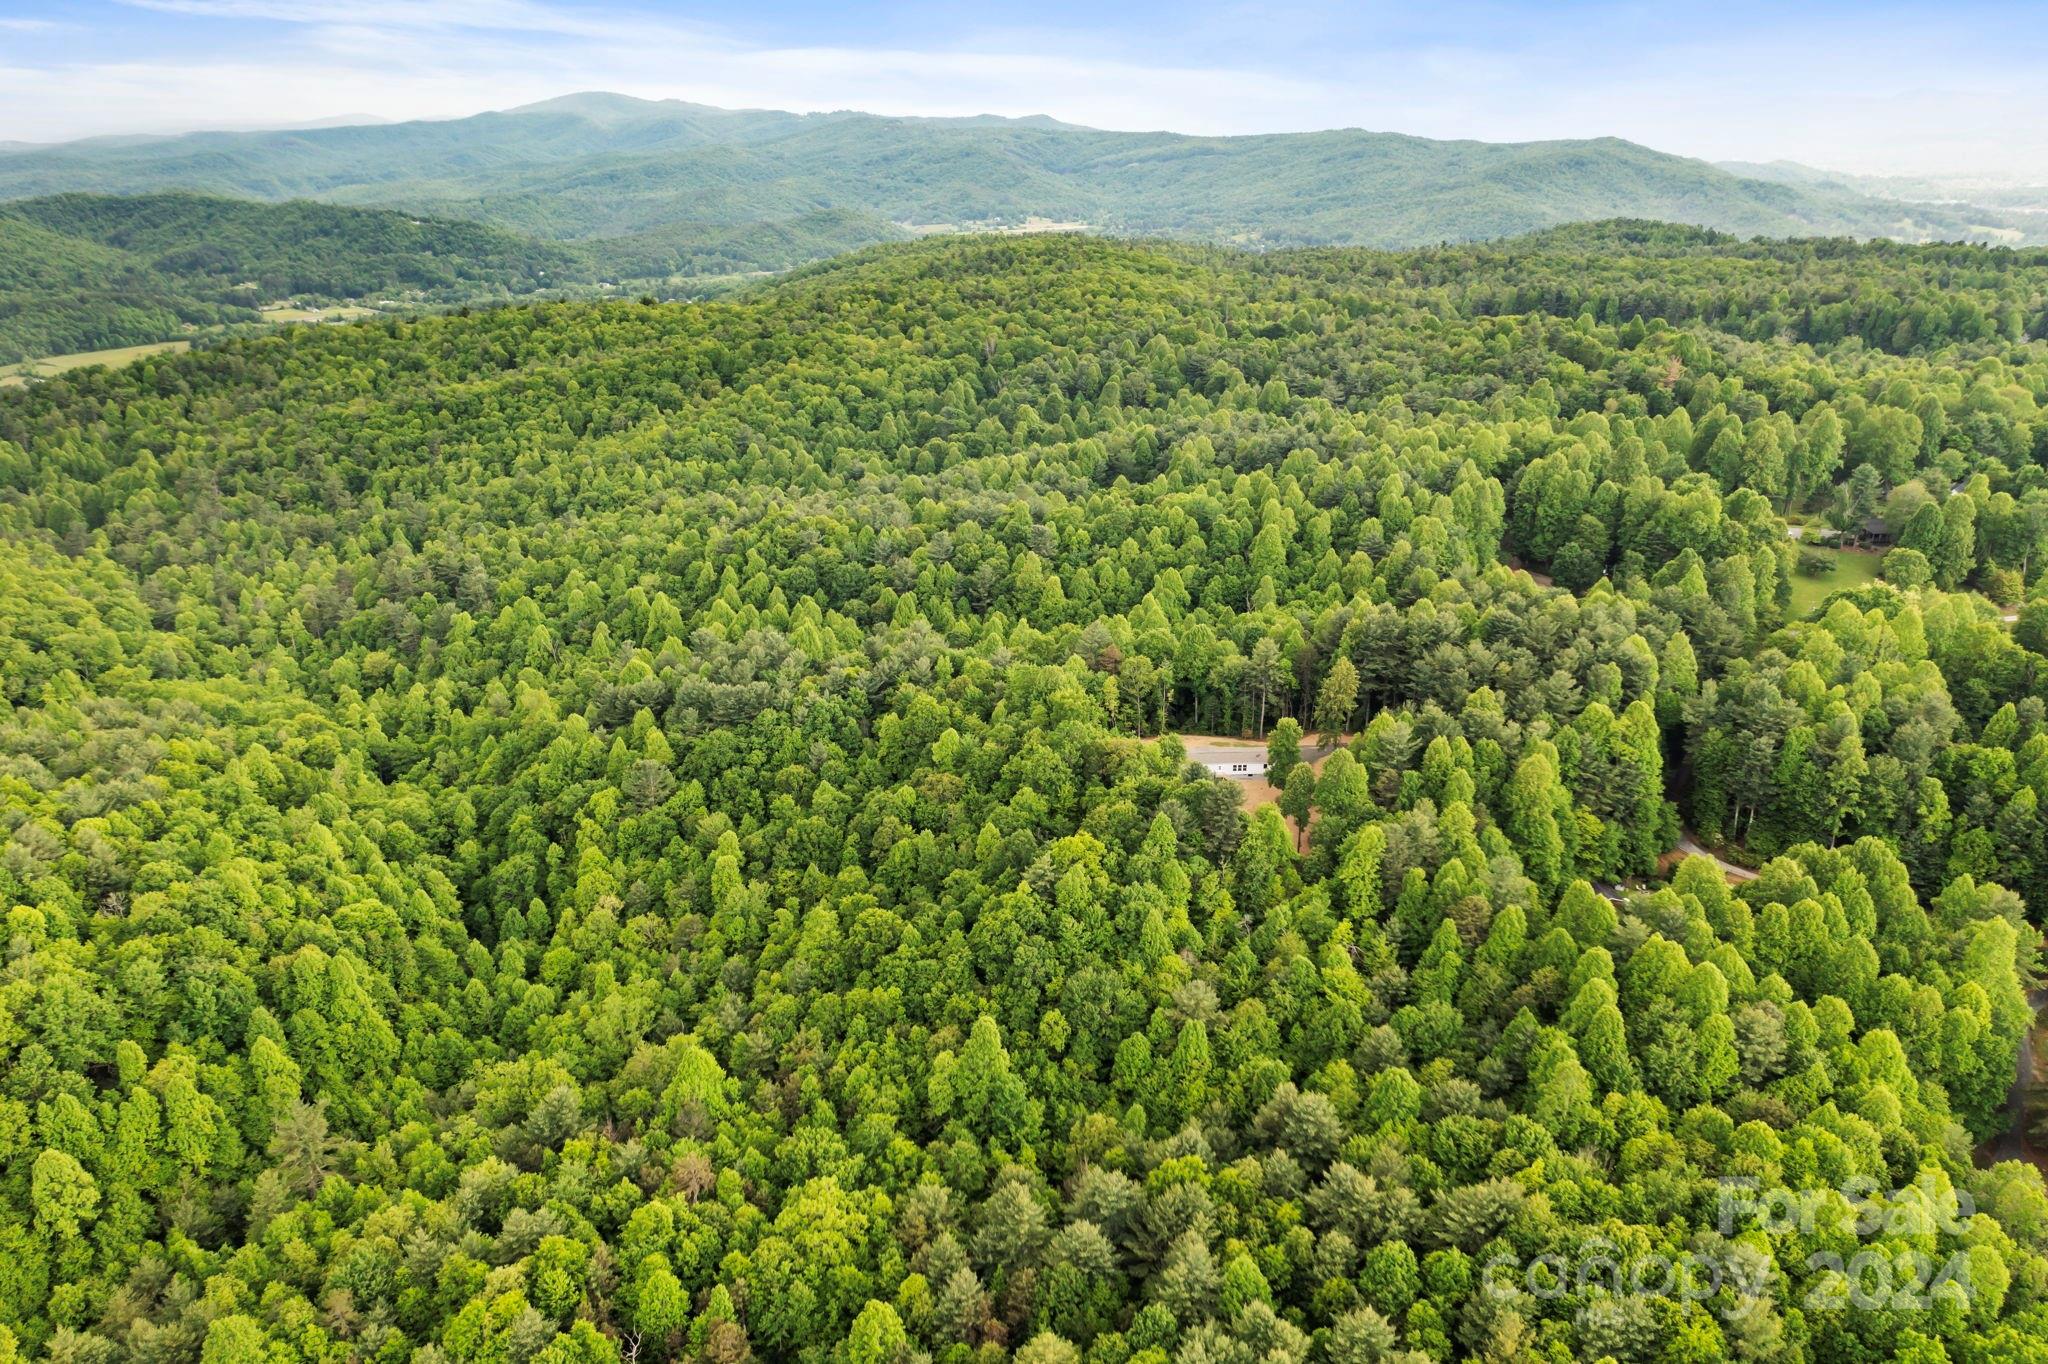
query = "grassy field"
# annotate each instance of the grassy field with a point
(1031, 226)
(1853, 568)
(57, 364)
(341, 313)
(22, 372)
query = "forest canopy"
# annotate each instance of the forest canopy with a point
(604, 832)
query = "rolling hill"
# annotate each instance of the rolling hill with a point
(60, 293)
(87, 272)
(295, 248)
(84, 272)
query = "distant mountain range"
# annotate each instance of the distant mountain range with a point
(601, 165)
(114, 241)
(2018, 204)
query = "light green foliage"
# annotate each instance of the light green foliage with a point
(584, 832)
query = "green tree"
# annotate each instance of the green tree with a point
(1336, 700)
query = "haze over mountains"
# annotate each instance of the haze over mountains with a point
(2024, 194)
(601, 165)
(670, 197)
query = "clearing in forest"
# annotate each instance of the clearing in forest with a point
(25, 370)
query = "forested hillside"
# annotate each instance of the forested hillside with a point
(88, 271)
(83, 272)
(60, 293)
(298, 248)
(625, 832)
(599, 165)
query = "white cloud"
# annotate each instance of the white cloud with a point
(518, 16)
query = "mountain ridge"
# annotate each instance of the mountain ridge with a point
(595, 164)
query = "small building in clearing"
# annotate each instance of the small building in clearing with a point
(1242, 762)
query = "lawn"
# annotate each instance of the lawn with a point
(1853, 568)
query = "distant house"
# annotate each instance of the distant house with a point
(1872, 534)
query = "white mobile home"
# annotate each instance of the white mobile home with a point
(1240, 761)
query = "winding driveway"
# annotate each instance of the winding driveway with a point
(2011, 1144)
(1693, 847)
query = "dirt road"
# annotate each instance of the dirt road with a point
(1690, 845)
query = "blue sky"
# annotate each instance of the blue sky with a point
(1958, 88)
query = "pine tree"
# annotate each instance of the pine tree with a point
(1336, 700)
